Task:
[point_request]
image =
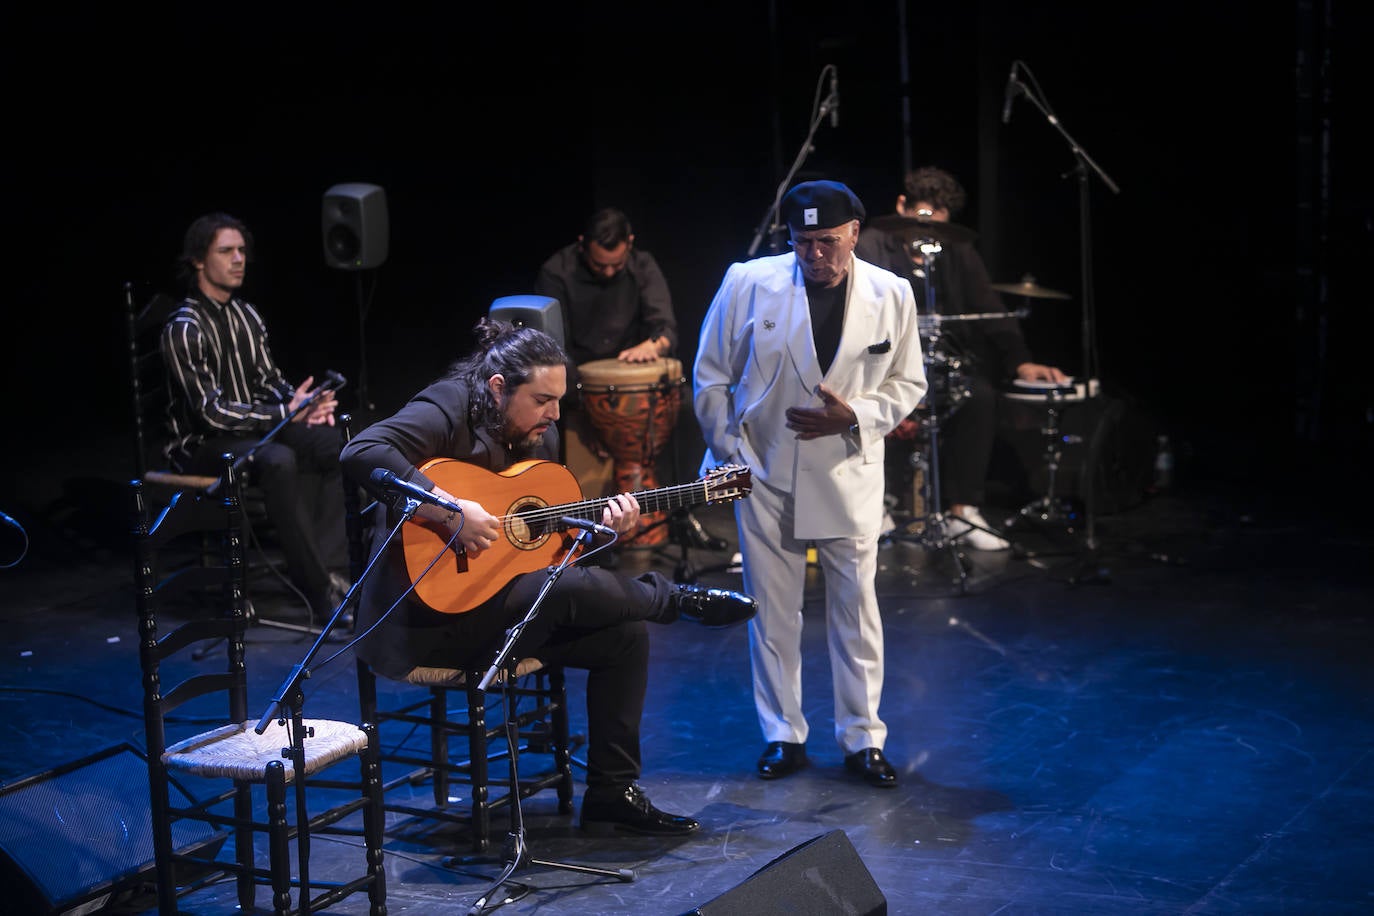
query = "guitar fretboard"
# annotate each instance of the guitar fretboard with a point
(661, 499)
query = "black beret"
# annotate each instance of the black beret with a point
(821, 205)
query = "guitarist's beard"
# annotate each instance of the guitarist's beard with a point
(500, 431)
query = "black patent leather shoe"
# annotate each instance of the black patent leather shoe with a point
(713, 607)
(872, 767)
(608, 810)
(781, 758)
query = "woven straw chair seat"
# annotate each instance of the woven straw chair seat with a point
(424, 676)
(239, 752)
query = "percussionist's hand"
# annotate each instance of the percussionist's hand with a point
(644, 352)
(1038, 372)
(833, 417)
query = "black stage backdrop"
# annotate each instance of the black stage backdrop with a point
(1223, 271)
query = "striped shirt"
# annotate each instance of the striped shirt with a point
(222, 378)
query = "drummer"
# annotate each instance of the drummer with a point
(616, 305)
(991, 352)
(615, 300)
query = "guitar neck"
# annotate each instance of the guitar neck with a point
(659, 500)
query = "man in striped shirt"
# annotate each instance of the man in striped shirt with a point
(228, 394)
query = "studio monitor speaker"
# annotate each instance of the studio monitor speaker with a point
(542, 313)
(355, 228)
(78, 838)
(824, 875)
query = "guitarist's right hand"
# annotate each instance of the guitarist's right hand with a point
(477, 528)
(480, 530)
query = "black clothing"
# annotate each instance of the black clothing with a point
(302, 486)
(603, 317)
(227, 393)
(960, 286)
(827, 319)
(988, 351)
(591, 619)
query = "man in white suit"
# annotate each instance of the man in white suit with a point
(805, 362)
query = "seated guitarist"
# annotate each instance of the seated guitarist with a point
(494, 408)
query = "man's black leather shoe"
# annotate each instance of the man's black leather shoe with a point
(781, 758)
(713, 607)
(872, 766)
(609, 810)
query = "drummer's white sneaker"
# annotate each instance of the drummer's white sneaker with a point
(961, 528)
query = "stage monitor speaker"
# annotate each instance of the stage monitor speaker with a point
(78, 838)
(540, 312)
(822, 876)
(354, 224)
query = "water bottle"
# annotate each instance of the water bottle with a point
(1164, 464)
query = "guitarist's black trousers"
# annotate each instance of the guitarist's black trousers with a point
(592, 619)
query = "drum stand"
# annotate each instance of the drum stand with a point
(931, 531)
(1050, 510)
(1050, 507)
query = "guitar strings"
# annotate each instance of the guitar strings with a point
(650, 501)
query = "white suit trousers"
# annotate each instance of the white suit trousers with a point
(775, 575)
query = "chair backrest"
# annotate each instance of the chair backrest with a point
(150, 389)
(231, 754)
(192, 515)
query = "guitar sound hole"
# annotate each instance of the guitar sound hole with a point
(525, 528)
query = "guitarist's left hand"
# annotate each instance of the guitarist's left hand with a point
(621, 513)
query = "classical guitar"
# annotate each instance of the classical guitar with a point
(530, 498)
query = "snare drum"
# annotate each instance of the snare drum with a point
(633, 407)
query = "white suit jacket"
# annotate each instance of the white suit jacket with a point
(757, 357)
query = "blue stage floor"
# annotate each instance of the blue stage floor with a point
(1180, 722)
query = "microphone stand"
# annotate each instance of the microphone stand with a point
(769, 225)
(333, 382)
(288, 707)
(516, 852)
(1082, 163)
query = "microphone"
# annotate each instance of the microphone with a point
(1009, 94)
(388, 481)
(568, 521)
(333, 381)
(835, 97)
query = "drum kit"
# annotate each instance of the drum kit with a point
(948, 387)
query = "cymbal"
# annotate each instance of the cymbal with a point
(911, 228)
(1028, 287)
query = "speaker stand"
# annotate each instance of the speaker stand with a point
(364, 306)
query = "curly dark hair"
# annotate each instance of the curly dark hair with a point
(936, 186)
(512, 351)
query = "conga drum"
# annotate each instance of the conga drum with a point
(633, 407)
